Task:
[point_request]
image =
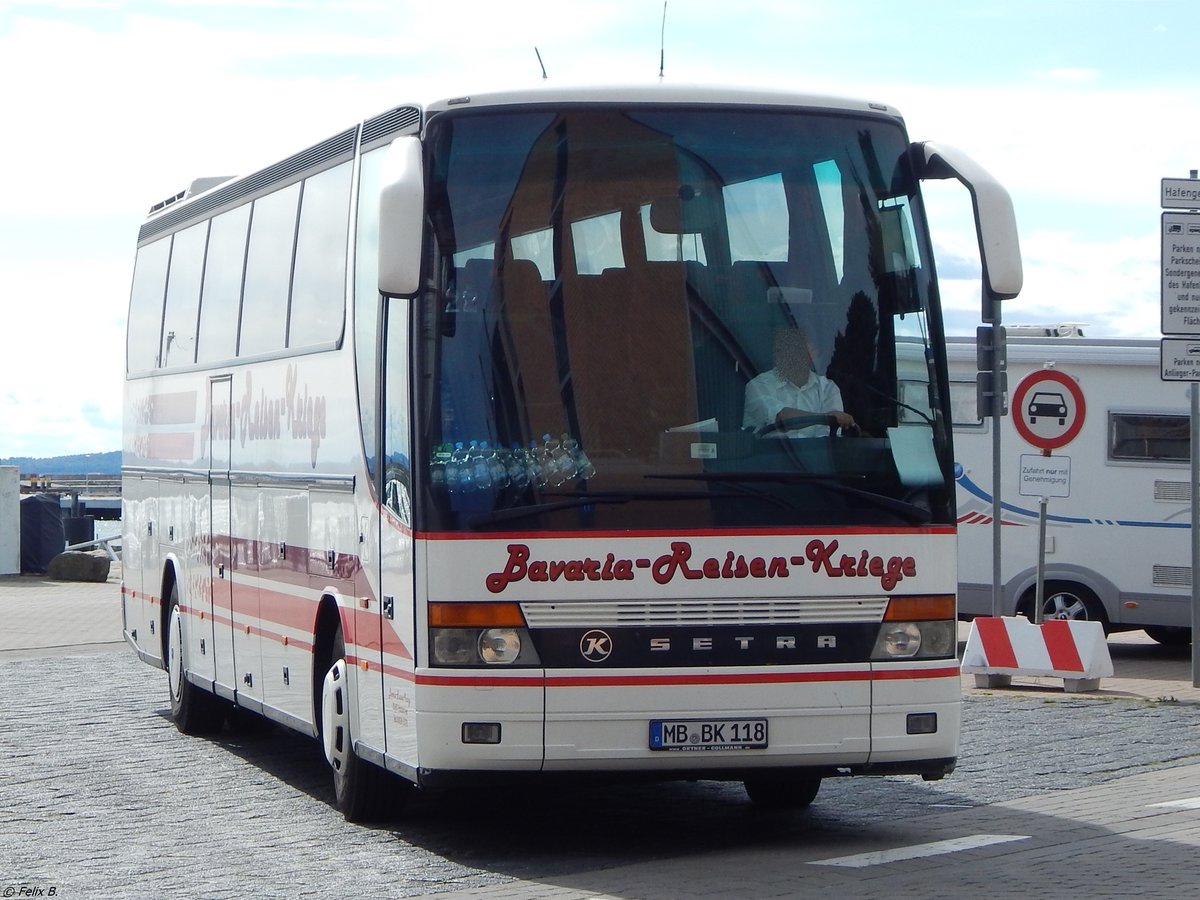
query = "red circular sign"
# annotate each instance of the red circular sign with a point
(1048, 409)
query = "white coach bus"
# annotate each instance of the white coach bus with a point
(1118, 545)
(435, 445)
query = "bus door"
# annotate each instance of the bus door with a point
(220, 605)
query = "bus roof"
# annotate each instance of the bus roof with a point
(206, 194)
(663, 92)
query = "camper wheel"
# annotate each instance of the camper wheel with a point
(1066, 600)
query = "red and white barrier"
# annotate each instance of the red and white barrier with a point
(999, 648)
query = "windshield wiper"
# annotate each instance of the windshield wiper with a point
(902, 508)
(573, 501)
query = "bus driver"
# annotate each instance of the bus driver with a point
(792, 400)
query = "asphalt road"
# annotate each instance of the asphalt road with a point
(100, 796)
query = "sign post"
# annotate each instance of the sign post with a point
(1181, 340)
(1049, 410)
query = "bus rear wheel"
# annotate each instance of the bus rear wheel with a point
(363, 791)
(782, 791)
(194, 710)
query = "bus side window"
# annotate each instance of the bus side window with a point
(222, 293)
(268, 272)
(319, 284)
(397, 477)
(146, 306)
(183, 297)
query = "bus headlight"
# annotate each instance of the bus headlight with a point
(897, 640)
(479, 634)
(923, 627)
(500, 646)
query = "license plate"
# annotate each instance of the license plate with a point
(708, 734)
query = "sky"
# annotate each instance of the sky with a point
(1079, 107)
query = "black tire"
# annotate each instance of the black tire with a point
(782, 792)
(362, 790)
(1170, 635)
(1067, 600)
(195, 710)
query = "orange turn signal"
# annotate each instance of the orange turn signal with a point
(920, 609)
(476, 615)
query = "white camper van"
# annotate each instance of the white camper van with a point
(1117, 547)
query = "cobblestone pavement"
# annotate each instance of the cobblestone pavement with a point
(101, 797)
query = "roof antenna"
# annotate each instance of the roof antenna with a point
(540, 63)
(662, 43)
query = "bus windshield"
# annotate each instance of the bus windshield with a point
(646, 318)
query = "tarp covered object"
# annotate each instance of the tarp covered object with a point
(42, 534)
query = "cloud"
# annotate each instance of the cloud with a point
(1074, 76)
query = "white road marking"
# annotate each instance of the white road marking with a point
(1188, 803)
(918, 851)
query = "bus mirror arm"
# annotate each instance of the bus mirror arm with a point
(401, 213)
(995, 221)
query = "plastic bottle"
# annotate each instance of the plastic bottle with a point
(536, 465)
(437, 466)
(562, 466)
(482, 475)
(583, 465)
(458, 476)
(496, 468)
(518, 472)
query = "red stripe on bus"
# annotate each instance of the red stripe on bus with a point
(1060, 644)
(996, 644)
(698, 532)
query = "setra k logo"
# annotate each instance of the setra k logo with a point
(595, 646)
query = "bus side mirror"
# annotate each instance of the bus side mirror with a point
(995, 221)
(401, 213)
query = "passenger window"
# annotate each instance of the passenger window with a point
(757, 213)
(144, 330)
(183, 297)
(685, 247)
(597, 243)
(829, 189)
(319, 283)
(268, 272)
(222, 293)
(366, 301)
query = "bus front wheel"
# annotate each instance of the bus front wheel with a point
(363, 791)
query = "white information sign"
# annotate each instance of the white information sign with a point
(1181, 273)
(1045, 476)
(1181, 359)
(1180, 193)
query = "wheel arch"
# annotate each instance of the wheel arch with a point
(1091, 581)
(325, 626)
(1020, 589)
(169, 580)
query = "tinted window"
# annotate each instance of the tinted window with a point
(268, 272)
(1139, 436)
(319, 283)
(366, 298)
(223, 286)
(146, 306)
(183, 297)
